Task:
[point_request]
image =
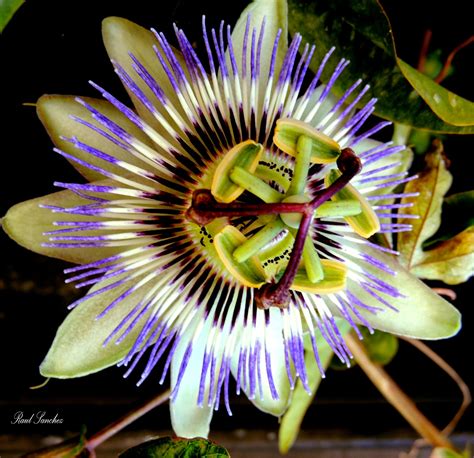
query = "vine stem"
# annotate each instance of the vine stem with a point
(395, 396)
(440, 362)
(117, 425)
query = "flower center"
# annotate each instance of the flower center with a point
(279, 224)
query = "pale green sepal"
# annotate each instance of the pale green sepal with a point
(301, 401)
(275, 13)
(27, 221)
(422, 314)
(275, 346)
(55, 111)
(187, 417)
(122, 37)
(77, 349)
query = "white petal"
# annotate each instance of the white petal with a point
(187, 418)
(275, 347)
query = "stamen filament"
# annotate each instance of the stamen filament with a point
(255, 185)
(312, 262)
(302, 163)
(255, 243)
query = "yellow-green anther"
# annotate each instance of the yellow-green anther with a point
(335, 274)
(302, 163)
(324, 149)
(256, 186)
(246, 155)
(269, 175)
(254, 244)
(366, 223)
(312, 263)
(249, 273)
(338, 208)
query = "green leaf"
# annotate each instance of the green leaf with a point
(301, 400)
(7, 9)
(451, 261)
(458, 215)
(432, 184)
(433, 64)
(361, 32)
(441, 452)
(171, 447)
(448, 106)
(420, 140)
(381, 346)
(70, 448)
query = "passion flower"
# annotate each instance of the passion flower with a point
(225, 217)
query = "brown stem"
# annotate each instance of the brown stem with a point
(278, 295)
(444, 71)
(424, 50)
(466, 393)
(446, 292)
(205, 208)
(392, 392)
(114, 427)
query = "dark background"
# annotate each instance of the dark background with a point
(55, 47)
